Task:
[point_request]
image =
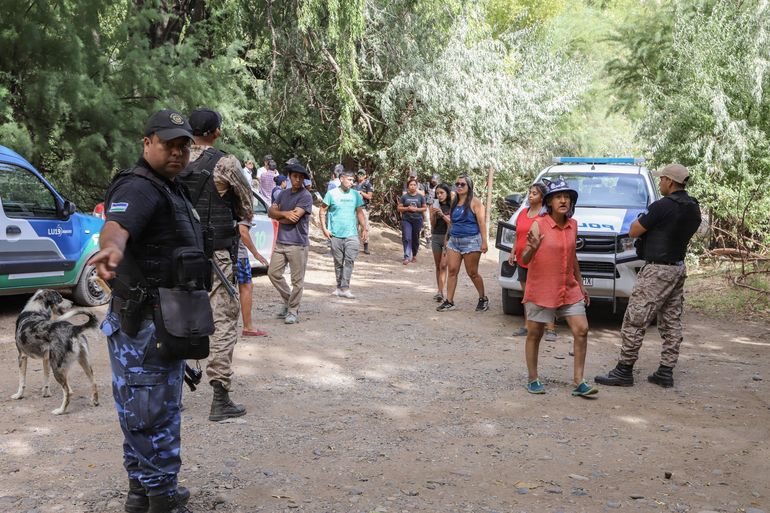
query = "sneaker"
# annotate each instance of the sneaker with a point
(446, 306)
(483, 305)
(291, 319)
(550, 335)
(584, 390)
(336, 292)
(283, 312)
(347, 294)
(535, 387)
(521, 332)
(438, 298)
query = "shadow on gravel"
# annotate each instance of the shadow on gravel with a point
(13, 304)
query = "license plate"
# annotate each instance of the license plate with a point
(588, 282)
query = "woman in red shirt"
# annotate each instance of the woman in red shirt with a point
(555, 287)
(523, 222)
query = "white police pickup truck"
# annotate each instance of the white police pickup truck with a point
(612, 192)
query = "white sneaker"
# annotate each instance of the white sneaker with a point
(336, 292)
(347, 294)
(291, 319)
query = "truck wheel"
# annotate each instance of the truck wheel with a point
(87, 292)
(512, 304)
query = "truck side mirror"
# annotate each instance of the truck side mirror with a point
(514, 200)
(68, 209)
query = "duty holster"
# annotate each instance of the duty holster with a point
(131, 310)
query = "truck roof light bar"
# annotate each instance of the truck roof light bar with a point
(598, 160)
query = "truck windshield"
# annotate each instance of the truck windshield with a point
(607, 189)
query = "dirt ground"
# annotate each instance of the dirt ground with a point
(382, 404)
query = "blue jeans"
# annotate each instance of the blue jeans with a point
(410, 236)
(148, 392)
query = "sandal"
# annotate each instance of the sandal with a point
(253, 333)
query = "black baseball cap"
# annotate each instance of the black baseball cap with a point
(204, 121)
(296, 168)
(168, 124)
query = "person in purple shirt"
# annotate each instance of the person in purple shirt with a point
(292, 210)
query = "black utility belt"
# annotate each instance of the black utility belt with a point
(658, 262)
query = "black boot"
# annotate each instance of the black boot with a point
(221, 406)
(138, 502)
(664, 377)
(621, 376)
(366, 248)
(173, 503)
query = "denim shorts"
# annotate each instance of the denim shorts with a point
(437, 242)
(463, 245)
(537, 313)
(243, 271)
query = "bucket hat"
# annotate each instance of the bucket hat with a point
(556, 186)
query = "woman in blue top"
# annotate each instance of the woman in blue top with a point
(467, 240)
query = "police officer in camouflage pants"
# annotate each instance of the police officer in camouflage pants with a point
(147, 216)
(222, 198)
(664, 232)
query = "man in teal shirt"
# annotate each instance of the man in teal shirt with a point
(341, 210)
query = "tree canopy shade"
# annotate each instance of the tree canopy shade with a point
(433, 85)
(483, 102)
(706, 104)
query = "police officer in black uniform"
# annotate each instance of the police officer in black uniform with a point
(148, 217)
(664, 232)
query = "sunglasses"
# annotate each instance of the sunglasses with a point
(460, 184)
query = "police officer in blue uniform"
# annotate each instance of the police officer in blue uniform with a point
(148, 216)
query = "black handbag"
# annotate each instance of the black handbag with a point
(183, 323)
(507, 270)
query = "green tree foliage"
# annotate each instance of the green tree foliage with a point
(483, 102)
(706, 105)
(79, 78)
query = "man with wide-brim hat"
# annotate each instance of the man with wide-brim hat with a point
(292, 210)
(664, 233)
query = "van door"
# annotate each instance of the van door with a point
(35, 241)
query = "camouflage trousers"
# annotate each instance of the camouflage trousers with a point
(148, 394)
(226, 310)
(658, 292)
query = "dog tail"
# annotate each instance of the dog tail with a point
(92, 322)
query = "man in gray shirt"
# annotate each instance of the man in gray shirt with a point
(292, 211)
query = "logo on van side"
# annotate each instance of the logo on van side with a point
(58, 231)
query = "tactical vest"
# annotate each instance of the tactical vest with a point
(668, 241)
(149, 260)
(217, 213)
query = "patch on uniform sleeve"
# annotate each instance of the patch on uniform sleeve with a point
(118, 207)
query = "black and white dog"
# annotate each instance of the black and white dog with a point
(56, 341)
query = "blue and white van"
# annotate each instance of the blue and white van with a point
(612, 192)
(44, 241)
